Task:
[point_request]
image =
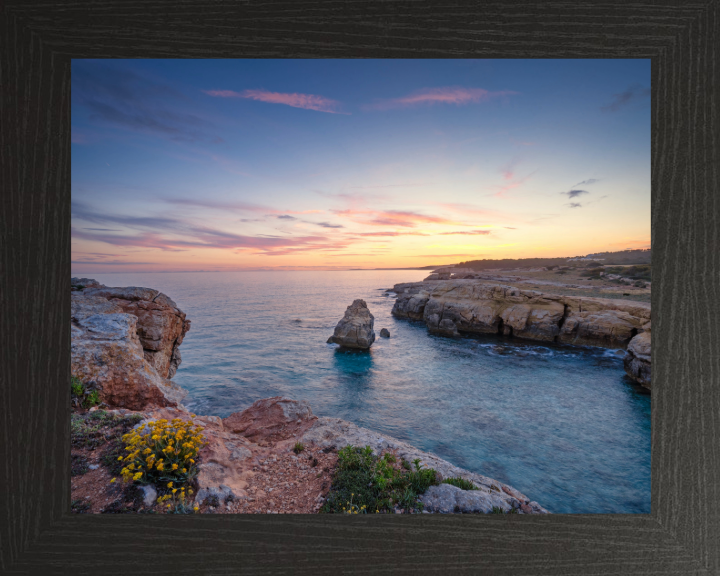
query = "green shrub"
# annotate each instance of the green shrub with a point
(82, 395)
(76, 386)
(363, 482)
(460, 483)
(299, 447)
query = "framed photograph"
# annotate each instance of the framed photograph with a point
(406, 283)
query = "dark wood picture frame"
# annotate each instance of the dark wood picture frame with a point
(38, 535)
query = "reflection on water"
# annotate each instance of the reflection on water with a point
(562, 424)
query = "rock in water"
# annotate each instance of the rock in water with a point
(385, 333)
(355, 330)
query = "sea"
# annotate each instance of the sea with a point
(562, 424)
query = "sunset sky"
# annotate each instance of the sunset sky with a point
(335, 164)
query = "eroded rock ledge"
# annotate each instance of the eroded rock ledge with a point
(469, 306)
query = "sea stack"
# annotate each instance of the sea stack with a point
(355, 330)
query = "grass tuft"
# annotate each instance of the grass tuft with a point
(461, 483)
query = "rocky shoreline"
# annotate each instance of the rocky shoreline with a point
(481, 306)
(125, 347)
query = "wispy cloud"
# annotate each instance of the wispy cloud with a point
(447, 95)
(305, 101)
(508, 171)
(391, 234)
(575, 205)
(222, 205)
(574, 193)
(502, 190)
(286, 217)
(117, 97)
(622, 99)
(392, 218)
(586, 182)
(178, 235)
(82, 212)
(467, 232)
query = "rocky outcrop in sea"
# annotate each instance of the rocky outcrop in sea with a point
(464, 306)
(355, 329)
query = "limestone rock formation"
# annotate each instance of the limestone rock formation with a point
(385, 333)
(125, 343)
(276, 418)
(161, 324)
(448, 499)
(461, 306)
(355, 329)
(637, 358)
(106, 353)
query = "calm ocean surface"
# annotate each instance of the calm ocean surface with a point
(562, 424)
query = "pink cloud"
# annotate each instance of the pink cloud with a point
(503, 189)
(449, 95)
(209, 238)
(508, 171)
(305, 101)
(392, 218)
(467, 232)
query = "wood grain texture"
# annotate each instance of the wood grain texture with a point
(37, 533)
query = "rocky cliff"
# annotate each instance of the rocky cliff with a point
(125, 343)
(454, 307)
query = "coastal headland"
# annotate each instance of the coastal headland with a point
(273, 457)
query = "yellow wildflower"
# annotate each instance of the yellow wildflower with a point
(169, 484)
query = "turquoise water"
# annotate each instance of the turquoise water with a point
(563, 424)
